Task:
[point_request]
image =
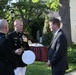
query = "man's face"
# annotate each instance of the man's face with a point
(19, 26)
(52, 26)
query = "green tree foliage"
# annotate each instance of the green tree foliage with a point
(35, 1)
(3, 4)
(47, 35)
(29, 12)
(53, 4)
(72, 54)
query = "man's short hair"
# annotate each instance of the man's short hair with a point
(55, 21)
(2, 23)
(17, 20)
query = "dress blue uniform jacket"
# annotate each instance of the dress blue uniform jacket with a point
(7, 56)
(17, 42)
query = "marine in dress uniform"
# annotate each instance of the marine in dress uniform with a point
(19, 40)
(7, 55)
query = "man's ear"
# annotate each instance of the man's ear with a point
(56, 25)
(14, 26)
(5, 27)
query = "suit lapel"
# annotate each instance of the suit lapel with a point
(52, 41)
(54, 38)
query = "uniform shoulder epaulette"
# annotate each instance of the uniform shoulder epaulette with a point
(11, 32)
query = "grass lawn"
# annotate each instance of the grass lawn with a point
(41, 68)
(38, 68)
(72, 66)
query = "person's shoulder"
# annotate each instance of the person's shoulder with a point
(11, 33)
(61, 32)
(2, 40)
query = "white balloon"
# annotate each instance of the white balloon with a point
(28, 57)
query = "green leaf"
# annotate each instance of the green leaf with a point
(35, 1)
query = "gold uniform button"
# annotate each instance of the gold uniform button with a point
(15, 41)
(15, 44)
(21, 42)
(20, 39)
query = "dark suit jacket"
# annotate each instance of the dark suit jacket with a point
(57, 53)
(17, 42)
(7, 57)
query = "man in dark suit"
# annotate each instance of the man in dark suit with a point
(7, 55)
(19, 41)
(57, 54)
